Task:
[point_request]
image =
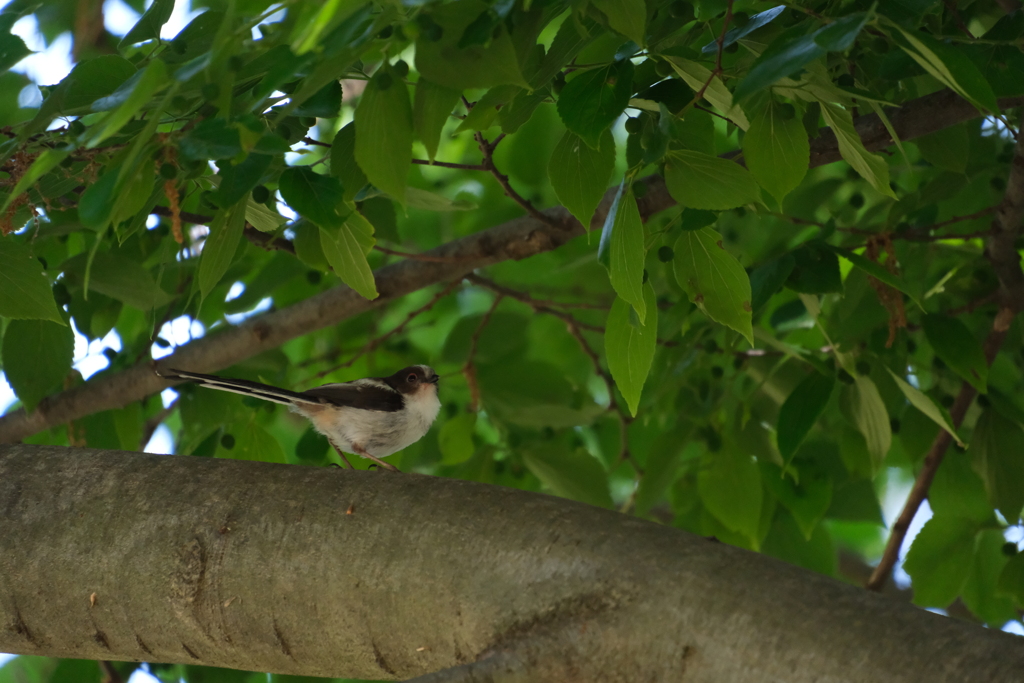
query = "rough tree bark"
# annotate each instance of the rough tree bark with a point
(516, 239)
(117, 555)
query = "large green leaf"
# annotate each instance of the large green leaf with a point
(346, 247)
(621, 249)
(981, 593)
(579, 173)
(701, 181)
(940, 559)
(591, 102)
(949, 66)
(384, 133)
(314, 196)
(920, 401)
(958, 348)
(777, 151)
(37, 357)
(870, 166)
(801, 410)
(628, 17)
(24, 289)
(445, 63)
(117, 275)
(696, 76)
(148, 26)
(220, 247)
(714, 280)
(958, 491)
(729, 483)
(455, 439)
(127, 100)
(12, 51)
(569, 473)
(629, 346)
(997, 451)
(343, 162)
(432, 105)
(807, 499)
(862, 405)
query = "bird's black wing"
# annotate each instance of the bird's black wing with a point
(363, 394)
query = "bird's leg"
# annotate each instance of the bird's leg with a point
(341, 455)
(386, 465)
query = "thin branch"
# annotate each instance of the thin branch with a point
(721, 38)
(538, 306)
(923, 482)
(448, 164)
(487, 149)
(468, 368)
(377, 341)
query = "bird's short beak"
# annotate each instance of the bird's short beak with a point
(435, 379)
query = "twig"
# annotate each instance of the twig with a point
(310, 141)
(155, 421)
(487, 149)
(538, 306)
(110, 674)
(469, 369)
(418, 257)
(377, 341)
(721, 39)
(448, 164)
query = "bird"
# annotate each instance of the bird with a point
(373, 417)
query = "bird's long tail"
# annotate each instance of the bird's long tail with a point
(237, 386)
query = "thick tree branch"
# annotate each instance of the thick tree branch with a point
(517, 239)
(125, 556)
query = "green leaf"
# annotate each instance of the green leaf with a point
(777, 151)
(628, 17)
(807, 499)
(630, 347)
(621, 249)
(714, 280)
(573, 474)
(252, 442)
(855, 501)
(862, 405)
(755, 22)
(237, 180)
(455, 439)
(384, 135)
(346, 247)
(696, 75)
(661, 468)
(947, 149)
(220, 247)
(958, 348)
(921, 401)
(325, 102)
(768, 278)
(429, 201)
(445, 63)
(997, 452)
(432, 105)
(801, 410)
(12, 51)
(815, 270)
(701, 181)
(940, 559)
(314, 196)
(535, 394)
(793, 50)
(118, 276)
(592, 101)
(485, 111)
(517, 112)
(1011, 579)
(729, 483)
(343, 162)
(871, 167)
(981, 594)
(873, 269)
(786, 541)
(24, 289)
(127, 100)
(262, 217)
(88, 81)
(148, 26)
(950, 67)
(212, 138)
(37, 357)
(579, 174)
(958, 491)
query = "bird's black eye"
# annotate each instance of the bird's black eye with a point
(411, 378)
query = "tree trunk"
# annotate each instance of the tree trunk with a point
(328, 572)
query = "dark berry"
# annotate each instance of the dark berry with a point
(260, 194)
(666, 254)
